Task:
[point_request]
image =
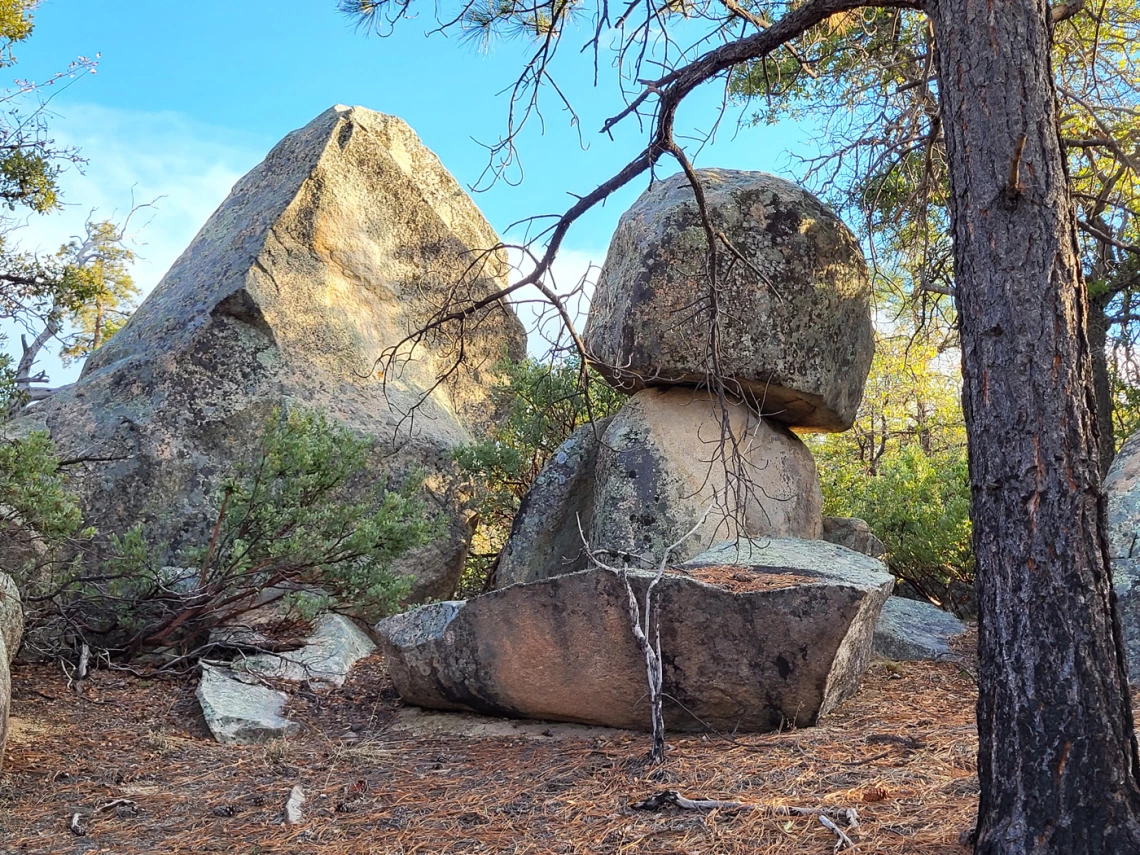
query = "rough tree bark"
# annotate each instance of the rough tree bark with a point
(1058, 760)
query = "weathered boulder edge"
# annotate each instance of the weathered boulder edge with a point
(562, 649)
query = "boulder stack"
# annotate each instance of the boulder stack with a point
(772, 627)
(793, 347)
(346, 239)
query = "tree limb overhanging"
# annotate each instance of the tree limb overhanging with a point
(983, 93)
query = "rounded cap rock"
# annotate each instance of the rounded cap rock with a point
(792, 298)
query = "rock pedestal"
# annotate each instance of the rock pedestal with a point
(794, 332)
(641, 480)
(348, 237)
(755, 636)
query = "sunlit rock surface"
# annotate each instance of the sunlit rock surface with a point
(348, 236)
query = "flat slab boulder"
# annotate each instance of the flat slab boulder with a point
(909, 630)
(240, 713)
(795, 329)
(755, 636)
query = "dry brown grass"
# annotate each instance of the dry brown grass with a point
(902, 752)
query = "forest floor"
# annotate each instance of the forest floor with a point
(132, 758)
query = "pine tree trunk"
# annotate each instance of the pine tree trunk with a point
(1057, 761)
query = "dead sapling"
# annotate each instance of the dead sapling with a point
(645, 626)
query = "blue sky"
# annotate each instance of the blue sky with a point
(189, 96)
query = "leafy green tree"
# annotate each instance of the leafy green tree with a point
(902, 467)
(871, 74)
(38, 512)
(103, 262)
(38, 293)
(545, 403)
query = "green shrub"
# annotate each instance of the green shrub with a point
(545, 403)
(304, 509)
(919, 506)
(902, 467)
(35, 502)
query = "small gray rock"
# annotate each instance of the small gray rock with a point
(853, 533)
(909, 630)
(240, 713)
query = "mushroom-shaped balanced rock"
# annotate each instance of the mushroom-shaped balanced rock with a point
(790, 304)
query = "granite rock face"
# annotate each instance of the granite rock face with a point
(754, 635)
(11, 615)
(910, 630)
(795, 333)
(239, 713)
(642, 479)
(545, 540)
(346, 238)
(1122, 491)
(853, 533)
(660, 466)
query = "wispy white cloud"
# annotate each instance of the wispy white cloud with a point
(185, 167)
